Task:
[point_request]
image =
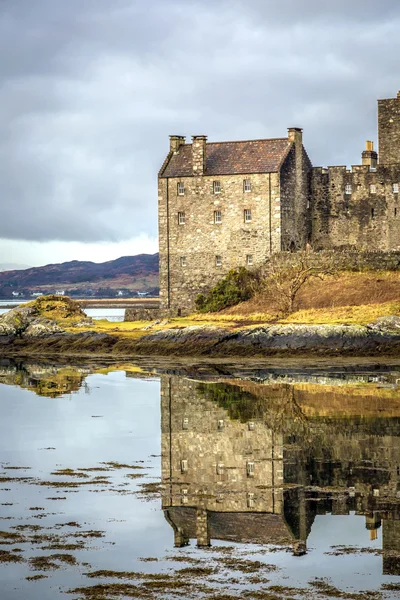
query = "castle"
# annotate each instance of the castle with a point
(250, 462)
(229, 204)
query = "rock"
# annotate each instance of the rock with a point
(6, 329)
(390, 324)
(16, 320)
(40, 318)
(42, 328)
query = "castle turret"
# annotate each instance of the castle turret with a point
(370, 156)
(389, 130)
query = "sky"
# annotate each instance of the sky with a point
(90, 90)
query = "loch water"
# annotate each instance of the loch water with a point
(217, 481)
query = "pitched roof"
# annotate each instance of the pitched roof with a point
(231, 158)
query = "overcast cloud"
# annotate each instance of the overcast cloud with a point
(91, 89)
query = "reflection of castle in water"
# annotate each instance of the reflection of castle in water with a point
(256, 463)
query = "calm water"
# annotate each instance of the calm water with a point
(223, 483)
(110, 314)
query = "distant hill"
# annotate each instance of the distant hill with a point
(128, 273)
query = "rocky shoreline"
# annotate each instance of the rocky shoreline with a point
(50, 327)
(272, 340)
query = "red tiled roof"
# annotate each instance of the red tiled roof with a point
(231, 158)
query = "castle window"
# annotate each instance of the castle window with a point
(395, 188)
(181, 218)
(347, 189)
(216, 187)
(181, 188)
(372, 213)
(395, 212)
(184, 465)
(246, 185)
(372, 188)
(249, 259)
(218, 261)
(250, 469)
(250, 500)
(183, 261)
(217, 216)
(247, 215)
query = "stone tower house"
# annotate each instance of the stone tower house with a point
(228, 204)
(222, 205)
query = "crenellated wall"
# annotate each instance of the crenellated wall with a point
(365, 215)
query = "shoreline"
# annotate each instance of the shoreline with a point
(202, 342)
(123, 303)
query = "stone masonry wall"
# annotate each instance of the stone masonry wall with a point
(344, 259)
(366, 218)
(188, 251)
(295, 179)
(389, 131)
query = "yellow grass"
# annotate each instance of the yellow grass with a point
(361, 315)
(355, 315)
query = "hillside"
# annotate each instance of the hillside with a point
(128, 273)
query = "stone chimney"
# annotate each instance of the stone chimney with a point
(295, 135)
(369, 156)
(175, 142)
(199, 144)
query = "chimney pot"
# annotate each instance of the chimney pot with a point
(295, 134)
(175, 142)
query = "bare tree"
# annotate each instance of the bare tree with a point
(281, 283)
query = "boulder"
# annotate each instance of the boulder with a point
(390, 324)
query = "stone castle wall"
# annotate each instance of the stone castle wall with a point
(344, 259)
(188, 264)
(295, 183)
(356, 208)
(389, 131)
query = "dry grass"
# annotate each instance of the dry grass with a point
(346, 289)
(361, 315)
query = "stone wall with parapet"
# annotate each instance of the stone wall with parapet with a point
(149, 314)
(358, 207)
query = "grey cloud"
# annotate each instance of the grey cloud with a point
(91, 89)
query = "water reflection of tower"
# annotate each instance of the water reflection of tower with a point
(223, 478)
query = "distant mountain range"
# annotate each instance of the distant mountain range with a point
(128, 274)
